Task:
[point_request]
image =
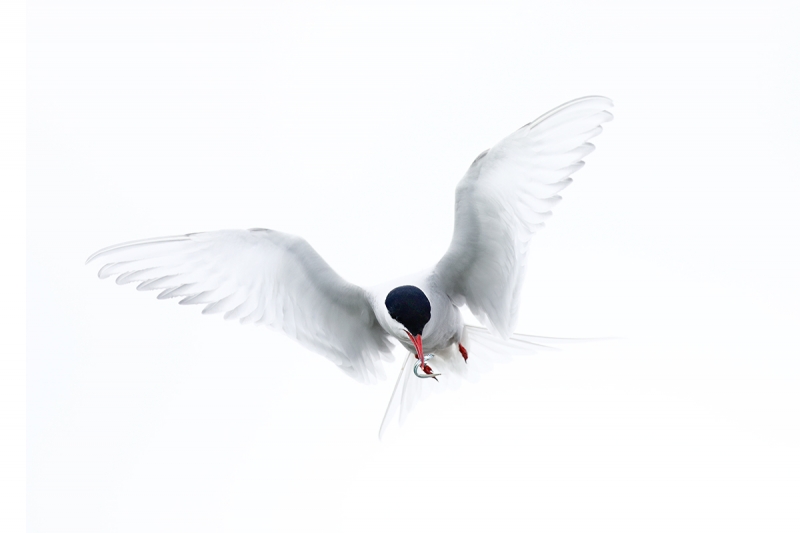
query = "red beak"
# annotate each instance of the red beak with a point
(417, 340)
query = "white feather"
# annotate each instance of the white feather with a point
(485, 351)
(504, 198)
(264, 277)
(276, 279)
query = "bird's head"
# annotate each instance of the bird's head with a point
(411, 309)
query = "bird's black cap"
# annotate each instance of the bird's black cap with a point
(409, 306)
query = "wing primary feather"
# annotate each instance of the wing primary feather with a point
(504, 198)
(111, 269)
(158, 283)
(131, 244)
(132, 276)
(181, 290)
(262, 276)
(200, 298)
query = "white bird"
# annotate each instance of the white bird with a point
(267, 277)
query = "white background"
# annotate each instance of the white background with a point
(349, 124)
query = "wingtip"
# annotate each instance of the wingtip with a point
(128, 244)
(608, 102)
(101, 251)
(596, 96)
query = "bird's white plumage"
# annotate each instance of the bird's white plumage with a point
(504, 198)
(485, 352)
(262, 277)
(273, 278)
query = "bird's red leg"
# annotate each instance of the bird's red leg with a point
(463, 352)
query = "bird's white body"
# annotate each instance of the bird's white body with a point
(276, 279)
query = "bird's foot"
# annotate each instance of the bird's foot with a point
(463, 352)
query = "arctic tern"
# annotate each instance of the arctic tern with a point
(267, 277)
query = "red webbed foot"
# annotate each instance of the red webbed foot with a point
(463, 352)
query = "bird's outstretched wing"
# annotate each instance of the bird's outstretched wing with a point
(485, 351)
(504, 198)
(264, 277)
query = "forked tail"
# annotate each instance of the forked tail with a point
(485, 351)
